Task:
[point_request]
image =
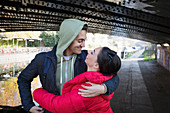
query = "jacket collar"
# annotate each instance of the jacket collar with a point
(53, 52)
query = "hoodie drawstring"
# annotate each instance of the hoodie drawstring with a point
(61, 79)
(72, 66)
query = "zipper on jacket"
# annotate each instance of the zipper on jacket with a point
(44, 75)
(55, 69)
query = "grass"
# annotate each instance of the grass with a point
(149, 59)
(148, 55)
(130, 54)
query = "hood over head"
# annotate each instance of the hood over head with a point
(69, 30)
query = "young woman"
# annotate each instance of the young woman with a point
(103, 64)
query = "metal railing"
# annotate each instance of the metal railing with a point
(15, 50)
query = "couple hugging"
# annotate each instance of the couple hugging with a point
(73, 80)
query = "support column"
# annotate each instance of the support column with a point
(155, 50)
(25, 42)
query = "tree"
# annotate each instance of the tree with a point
(49, 38)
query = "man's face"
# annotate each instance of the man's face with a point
(78, 43)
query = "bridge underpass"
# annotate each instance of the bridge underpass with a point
(147, 20)
(144, 87)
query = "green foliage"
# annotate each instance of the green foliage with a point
(149, 59)
(0, 43)
(149, 55)
(49, 38)
(6, 43)
(129, 54)
(35, 43)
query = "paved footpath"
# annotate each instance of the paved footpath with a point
(144, 88)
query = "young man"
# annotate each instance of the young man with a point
(65, 61)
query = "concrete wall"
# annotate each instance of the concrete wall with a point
(163, 56)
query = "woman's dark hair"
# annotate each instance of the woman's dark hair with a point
(85, 27)
(109, 61)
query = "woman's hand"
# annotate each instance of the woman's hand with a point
(92, 91)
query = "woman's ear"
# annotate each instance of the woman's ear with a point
(96, 66)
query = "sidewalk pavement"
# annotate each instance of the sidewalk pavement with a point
(136, 56)
(144, 88)
(132, 95)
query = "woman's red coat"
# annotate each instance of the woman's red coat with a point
(70, 101)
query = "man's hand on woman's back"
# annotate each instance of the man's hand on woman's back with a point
(36, 109)
(92, 91)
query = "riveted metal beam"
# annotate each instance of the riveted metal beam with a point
(101, 16)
